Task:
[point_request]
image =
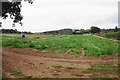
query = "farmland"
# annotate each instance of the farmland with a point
(91, 44)
(59, 56)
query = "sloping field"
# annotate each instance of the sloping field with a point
(59, 56)
(28, 35)
(92, 45)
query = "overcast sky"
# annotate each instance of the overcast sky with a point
(46, 15)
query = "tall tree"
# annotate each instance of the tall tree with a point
(94, 29)
(0, 24)
(13, 8)
(116, 29)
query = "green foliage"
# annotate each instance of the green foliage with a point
(92, 45)
(59, 66)
(55, 74)
(103, 70)
(101, 56)
(62, 31)
(114, 35)
(68, 53)
(38, 47)
(41, 63)
(77, 52)
(72, 50)
(76, 56)
(13, 9)
(116, 29)
(28, 77)
(71, 56)
(79, 75)
(31, 45)
(94, 29)
(70, 68)
(109, 50)
(111, 57)
(15, 73)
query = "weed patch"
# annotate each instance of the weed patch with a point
(55, 74)
(79, 75)
(103, 71)
(15, 73)
(59, 66)
(72, 68)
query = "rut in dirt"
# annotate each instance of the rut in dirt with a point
(40, 66)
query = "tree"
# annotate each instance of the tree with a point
(94, 29)
(116, 29)
(0, 24)
(13, 8)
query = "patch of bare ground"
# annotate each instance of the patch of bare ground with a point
(43, 64)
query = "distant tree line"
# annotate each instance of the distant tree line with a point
(67, 31)
(110, 33)
(7, 31)
(92, 30)
(62, 31)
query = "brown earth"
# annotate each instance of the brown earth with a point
(44, 64)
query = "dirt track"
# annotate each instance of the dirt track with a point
(42, 65)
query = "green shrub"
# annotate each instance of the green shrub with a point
(38, 47)
(77, 52)
(76, 56)
(28, 77)
(115, 35)
(72, 50)
(101, 56)
(31, 45)
(109, 50)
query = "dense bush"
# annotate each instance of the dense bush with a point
(94, 30)
(115, 35)
(102, 34)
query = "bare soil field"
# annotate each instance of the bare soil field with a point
(25, 62)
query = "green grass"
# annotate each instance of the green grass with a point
(112, 58)
(103, 71)
(76, 56)
(55, 74)
(92, 45)
(79, 75)
(28, 77)
(114, 35)
(72, 68)
(16, 73)
(59, 66)
(3, 76)
(40, 63)
(77, 52)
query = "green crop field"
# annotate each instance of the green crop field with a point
(92, 45)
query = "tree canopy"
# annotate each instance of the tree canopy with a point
(94, 29)
(13, 8)
(116, 29)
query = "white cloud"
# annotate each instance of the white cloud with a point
(47, 15)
